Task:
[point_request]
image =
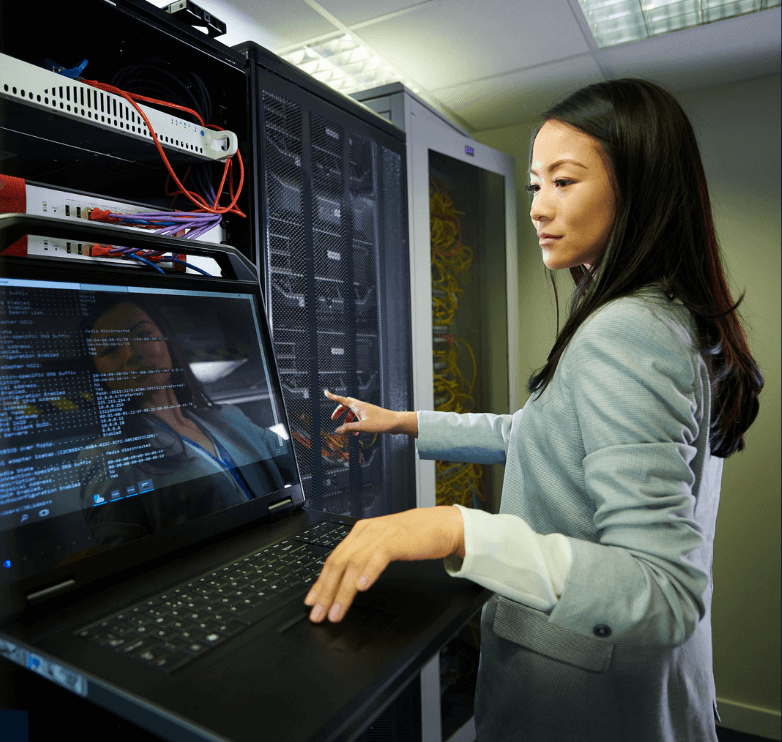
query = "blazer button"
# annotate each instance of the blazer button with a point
(602, 631)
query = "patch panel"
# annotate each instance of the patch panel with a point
(40, 200)
(39, 246)
(19, 196)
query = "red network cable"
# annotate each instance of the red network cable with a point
(193, 197)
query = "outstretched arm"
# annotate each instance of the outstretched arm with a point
(362, 417)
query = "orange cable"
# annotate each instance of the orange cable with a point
(193, 197)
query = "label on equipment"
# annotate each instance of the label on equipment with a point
(64, 676)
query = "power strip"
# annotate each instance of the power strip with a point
(48, 91)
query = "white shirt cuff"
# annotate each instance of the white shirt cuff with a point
(503, 554)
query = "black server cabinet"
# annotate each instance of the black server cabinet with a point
(333, 256)
(52, 141)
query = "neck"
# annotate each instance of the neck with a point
(171, 411)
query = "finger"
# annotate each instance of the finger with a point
(346, 592)
(356, 579)
(341, 409)
(333, 601)
(345, 401)
(349, 427)
(329, 583)
(332, 598)
(322, 592)
(320, 595)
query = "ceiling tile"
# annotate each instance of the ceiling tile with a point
(519, 96)
(351, 12)
(444, 42)
(284, 22)
(726, 51)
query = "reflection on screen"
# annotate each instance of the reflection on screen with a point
(132, 411)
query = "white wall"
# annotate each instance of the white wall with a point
(738, 127)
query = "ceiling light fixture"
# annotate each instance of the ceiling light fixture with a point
(345, 65)
(615, 22)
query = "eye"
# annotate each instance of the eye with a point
(532, 188)
(562, 182)
(108, 351)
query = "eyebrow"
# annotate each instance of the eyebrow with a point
(555, 165)
(141, 322)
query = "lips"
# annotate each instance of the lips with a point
(548, 239)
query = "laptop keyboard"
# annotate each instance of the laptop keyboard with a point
(178, 625)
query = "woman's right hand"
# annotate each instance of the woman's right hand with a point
(362, 417)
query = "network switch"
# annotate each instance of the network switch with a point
(35, 199)
(21, 82)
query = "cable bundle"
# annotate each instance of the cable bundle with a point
(147, 257)
(451, 260)
(209, 198)
(334, 447)
(453, 391)
(195, 198)
(156, 78)
(188, 224)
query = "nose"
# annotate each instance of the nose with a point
(129, 356)
(542, 209)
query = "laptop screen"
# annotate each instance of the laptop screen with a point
(132, 404)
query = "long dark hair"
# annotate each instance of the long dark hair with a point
(188, 390)
(663, 234)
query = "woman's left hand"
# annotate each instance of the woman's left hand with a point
(372, 544)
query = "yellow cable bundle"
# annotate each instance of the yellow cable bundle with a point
(451, 260)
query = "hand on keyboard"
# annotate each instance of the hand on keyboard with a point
(355, 565)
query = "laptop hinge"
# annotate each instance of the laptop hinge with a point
(281, 508)
(51, 591)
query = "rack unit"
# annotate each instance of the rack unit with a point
(334, 262)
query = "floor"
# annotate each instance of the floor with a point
(728, 735)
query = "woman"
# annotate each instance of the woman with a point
(601, 554)
(169, 454)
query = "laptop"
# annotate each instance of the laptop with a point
(155, 550)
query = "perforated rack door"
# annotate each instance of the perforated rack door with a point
(328, 186)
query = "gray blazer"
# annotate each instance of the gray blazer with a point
(615, 456)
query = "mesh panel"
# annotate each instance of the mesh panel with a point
(364, 198)
(330, 224)
(286, 269)
(338, 286)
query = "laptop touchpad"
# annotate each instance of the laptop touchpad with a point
(361, 625)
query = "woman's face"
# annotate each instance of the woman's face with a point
(129, 346)
(573, 205)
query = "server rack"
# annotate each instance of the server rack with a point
(480, 183)
(333, 259)
(53, 142)
(65, 143)
(352, 203)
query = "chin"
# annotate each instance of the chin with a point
(553, 264)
